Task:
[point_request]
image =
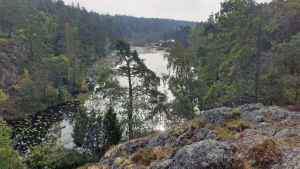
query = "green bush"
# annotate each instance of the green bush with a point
(58, 157)
(3, 97)
(3, 35)
(232, 123)
(224, 133)
(2, 42)
(9, 158)
(236, 113)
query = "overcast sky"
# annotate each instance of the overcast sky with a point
(189, 10)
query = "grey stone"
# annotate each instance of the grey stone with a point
(277, 114)
(203, 134)
(287, 134)
(163, 164)
(255, 116)
(218, 116)
(250, 107)
(290, 159)
(159, 140)
(204, 154)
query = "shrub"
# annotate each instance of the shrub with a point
(265, 153)
(58, 157)
(237, 164)
(17, 88)
(3, 97)
(84, 88)
(2, 42)
(236, 113)
(63, 95)
(160, 154)
(9, 158)
(3, 35)
(145, 157)
(232, 123)
(197, 123)
(211, 126)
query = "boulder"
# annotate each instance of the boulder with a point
(203, 134)
(255, 116)
(289, 159)
(218, 116)
(204, 154)
(159, 140)
(250, 107)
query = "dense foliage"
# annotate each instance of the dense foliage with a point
(61, 41)
(9, 158)
(58, 157)
(246, 53)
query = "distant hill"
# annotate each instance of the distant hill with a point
(149, 26)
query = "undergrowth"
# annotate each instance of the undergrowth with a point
(144, 157)
(264, 154)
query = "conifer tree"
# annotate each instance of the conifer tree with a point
(112, 128)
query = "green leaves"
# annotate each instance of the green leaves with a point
(9, 158)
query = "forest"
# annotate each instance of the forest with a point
(248, 52)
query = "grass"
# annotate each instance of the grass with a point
(266, 153)
(196, 124)
(236, 113)
(144, 157)
(224, 133)
(232, 123)
(160, 154)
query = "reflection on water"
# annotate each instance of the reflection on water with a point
(56, 123)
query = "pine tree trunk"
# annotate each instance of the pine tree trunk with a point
(130, 124)
(257, 62)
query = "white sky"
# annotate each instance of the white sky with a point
(189, 10)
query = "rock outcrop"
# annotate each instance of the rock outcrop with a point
(188, 147)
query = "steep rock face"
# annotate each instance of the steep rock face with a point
(186, 147)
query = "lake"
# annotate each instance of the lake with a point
(56, 123)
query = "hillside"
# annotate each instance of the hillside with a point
(249, 136)
(10, 57)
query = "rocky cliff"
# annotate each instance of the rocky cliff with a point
(249, 136)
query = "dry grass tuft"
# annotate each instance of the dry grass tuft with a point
(160, 154)
(264, 154)
(144, 157)
(239, 136)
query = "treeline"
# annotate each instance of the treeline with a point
(148, 26)
(62, 41)
(246, 53)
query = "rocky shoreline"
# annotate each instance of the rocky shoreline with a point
(263, 137)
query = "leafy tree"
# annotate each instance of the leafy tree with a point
(289, 69)
(3, 97)
(185, 84)
(59, 71)
(73, 53)
(9, 158)
(12, 11)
